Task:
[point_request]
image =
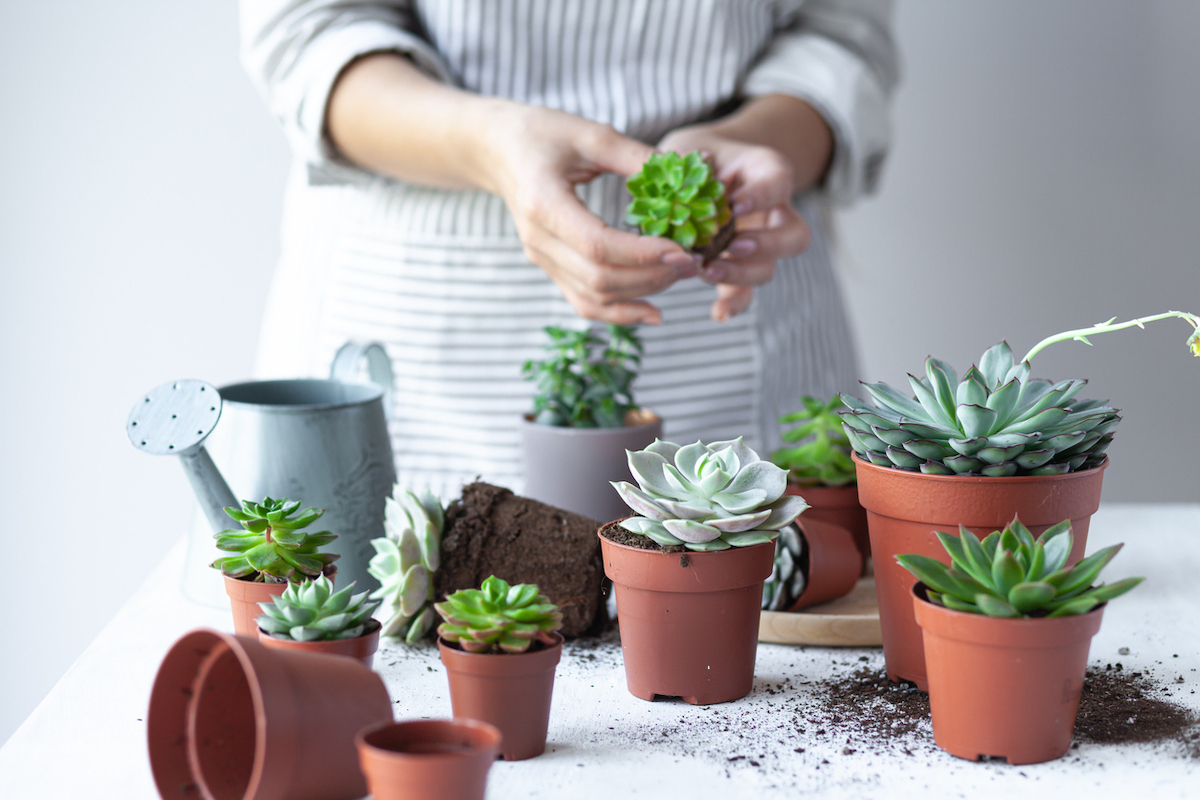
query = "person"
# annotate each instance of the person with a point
(458, 186)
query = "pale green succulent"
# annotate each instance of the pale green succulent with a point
(498, 618)
(707, 496)
(405, 561)
(678, 197)
(273, 548)
(787, 580)
(312, 611)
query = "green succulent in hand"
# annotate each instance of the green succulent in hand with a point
(272, 548)
(578, 388)
(823, 456)
(405, 560)
(498, 617)
(678, 197)
(312, 612)
(1011, 574)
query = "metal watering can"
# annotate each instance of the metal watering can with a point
(323, 442)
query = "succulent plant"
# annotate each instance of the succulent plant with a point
(498, 617)
(1011, 574)
(578, 389)
(405, 559)
(272, 548)
(787, 580)
(678, 197)
(707, 496)
(312, 611)
(823, 455)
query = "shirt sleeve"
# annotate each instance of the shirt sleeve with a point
(839, 56)
(295, 50)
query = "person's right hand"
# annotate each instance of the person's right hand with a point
(535, 158)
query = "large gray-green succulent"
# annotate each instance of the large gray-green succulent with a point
(707, 496)
(405, 561)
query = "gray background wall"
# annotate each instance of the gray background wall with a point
(1045, 176)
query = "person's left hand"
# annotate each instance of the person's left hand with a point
(758, 181)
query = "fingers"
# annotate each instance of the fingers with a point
(731, 301)
(610, 151)
(760, 179)
(786, 234)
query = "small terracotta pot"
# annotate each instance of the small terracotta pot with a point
(839, 505)
(428, 759)
(361, 648)
(244, 597)
(689, 621)
(904, 509)
(1004, 687)
(570, 468)
(834, 562)
(509, 690)
(230, 718)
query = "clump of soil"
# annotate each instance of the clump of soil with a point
(1118, 707)
(491, 531)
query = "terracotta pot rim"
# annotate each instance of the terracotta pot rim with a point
(545, 649)
(373, 627)
(1012, 625)
(918, 475)
(486, 728)
(567, 430)
(329, 573)
(689, 553)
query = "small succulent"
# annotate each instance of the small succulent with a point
(787, 580)
(678, 197)
(578, 388)
(272, 548)
(312, 612)
(498, 617)
(707, 496)
(823, 456)
(405, 559)
(1011, 574)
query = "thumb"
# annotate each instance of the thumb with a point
(611, 151)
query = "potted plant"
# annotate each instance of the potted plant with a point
(405, 561)
(679, 197)
(976, 452)
(584, 419)
(688, 569)
(1007, 626)
(428, 759)
(311, 617)
(272, 550)
(500, 645)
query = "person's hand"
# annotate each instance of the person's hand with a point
(535, 158)
(759, 183)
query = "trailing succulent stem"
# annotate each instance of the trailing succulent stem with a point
(679, 198)
(272, 548)
(498, 618)
(1011, 574)
(787, 580)
(578, 388)
(313, 612)
(822, 457)
(1081, 334)
(405, 560)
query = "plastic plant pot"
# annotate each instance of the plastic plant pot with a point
(361, 648)
(428, 759)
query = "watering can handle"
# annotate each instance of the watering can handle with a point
(349, 360)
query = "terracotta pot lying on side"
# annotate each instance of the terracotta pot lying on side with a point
(838, 505)
(428, 759)
(509, 690)
(245, 595)
(361, 648)
(904, 509)
(230, 718)
(1004, 687)
(834, 562)
(689, 621)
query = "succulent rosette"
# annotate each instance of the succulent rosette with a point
(405, 561)
(707, 496)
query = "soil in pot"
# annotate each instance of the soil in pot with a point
(838, 505)
(429, 759)
(361, 648)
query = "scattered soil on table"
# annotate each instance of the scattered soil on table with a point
(1119, 707)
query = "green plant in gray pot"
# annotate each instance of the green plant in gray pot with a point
(405, 561)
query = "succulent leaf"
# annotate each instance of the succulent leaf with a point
(678, 197)
(405, 559)
(498, 617)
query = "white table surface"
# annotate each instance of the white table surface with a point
(87, 738)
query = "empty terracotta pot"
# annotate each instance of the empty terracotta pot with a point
(689, 621)
(509, 690)
(244, 597)
(905, 508)
(1004, 687)
(428, 759)
(834, 562)
(361, 648)
(230, 719)
(839, 505)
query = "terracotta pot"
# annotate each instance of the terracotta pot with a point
(570, 468)
(428, 759)
(1004, 687)
(905, 508)
(244, 597)
(689, 621)
(509, 690)
(834, 562)
(361, 648)
(230, 718)
(839, 505)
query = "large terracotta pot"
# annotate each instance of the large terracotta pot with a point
(509, 690)
(361, 648)
(245, 595)
(570, 468)
(905, 508)
(1004, 687)
(838, 505)
(428, 759)
(230, 718)
(834, 562)
(689, 621)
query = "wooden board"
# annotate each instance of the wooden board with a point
(852, 620)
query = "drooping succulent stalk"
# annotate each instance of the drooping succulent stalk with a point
(273, 548)
(404, 563)
(707, 496)
(678, 197)
(312, 612)
(823, 456)
(1011, 574)
(787, 580)
(498, 618)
